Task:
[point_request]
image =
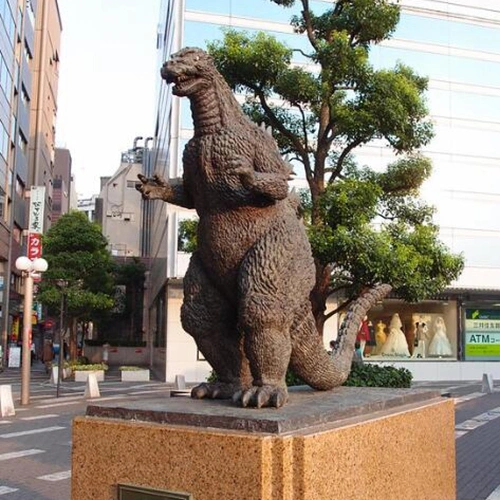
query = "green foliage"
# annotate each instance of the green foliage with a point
(361, 375)
(366, 225)
(80, 266)
(371, 375)
(187, 235)
(131, 368)
(89, 367)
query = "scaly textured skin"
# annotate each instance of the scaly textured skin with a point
(246, 291)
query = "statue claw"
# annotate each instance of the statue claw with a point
(265, 396)
(215, 390)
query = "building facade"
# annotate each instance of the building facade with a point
(29, 49)
(453, 43)
(118, 207)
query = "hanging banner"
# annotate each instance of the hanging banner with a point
(37, 202)
(35, 227)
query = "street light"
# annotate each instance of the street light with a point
(30, 269)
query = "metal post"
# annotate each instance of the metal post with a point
(26, 358)
(61, 345)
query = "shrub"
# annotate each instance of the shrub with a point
(131, 368)
(371, 375)
(362, 375)
(93, 367)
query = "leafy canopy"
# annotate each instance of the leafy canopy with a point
(80, 266)
(366, 225)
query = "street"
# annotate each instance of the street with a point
(35, 444)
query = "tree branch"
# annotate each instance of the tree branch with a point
(278, 125)
(345, 152)
(309, 28)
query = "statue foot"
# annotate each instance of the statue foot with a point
(258, 397)
(215, 390)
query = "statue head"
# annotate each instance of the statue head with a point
(191, 70)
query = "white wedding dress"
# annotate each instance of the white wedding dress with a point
(440, 344)
(396, 344)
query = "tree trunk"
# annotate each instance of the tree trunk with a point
(319, 294)
(73, 348)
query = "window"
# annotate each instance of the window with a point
(5, 78)
(8, 20)
(132, 184)
(4, 142)
(19, 187)
(22, 143)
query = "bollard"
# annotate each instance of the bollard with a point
(54, 373)
(92, 388)
(180, 383)
(487, 386)
(6, 402)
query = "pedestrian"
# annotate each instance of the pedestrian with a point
(48, 355)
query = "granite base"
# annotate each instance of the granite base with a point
(349, 443)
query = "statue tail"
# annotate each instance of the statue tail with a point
(311, 362)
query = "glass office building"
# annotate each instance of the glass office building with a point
(456, 44)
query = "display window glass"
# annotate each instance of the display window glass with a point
(395, 330)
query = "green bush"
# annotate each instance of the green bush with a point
(371, 375)
(131, 368)
(89, 368)
(362, 375)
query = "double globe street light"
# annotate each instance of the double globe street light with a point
(30, 269)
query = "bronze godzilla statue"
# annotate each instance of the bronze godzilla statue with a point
(246, 292)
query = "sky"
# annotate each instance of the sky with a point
(107, 83)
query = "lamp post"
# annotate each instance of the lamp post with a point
(29, 269)
(62, 285)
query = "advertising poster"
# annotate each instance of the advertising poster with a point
(482, 334)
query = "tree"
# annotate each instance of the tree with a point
(124, 321)
(79, 273)
(366, 227)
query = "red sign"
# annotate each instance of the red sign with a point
(34, 246)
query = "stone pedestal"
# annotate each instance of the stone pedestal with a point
(349, 443)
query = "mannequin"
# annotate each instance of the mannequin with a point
(396, 344)
(421, 334)
(380, 336)
(363, 336)
(440, 344)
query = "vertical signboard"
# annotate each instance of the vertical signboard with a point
(35, 227)
(482, 334)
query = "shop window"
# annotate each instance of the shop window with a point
(397, 331)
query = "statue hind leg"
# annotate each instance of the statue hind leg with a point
(212, 322)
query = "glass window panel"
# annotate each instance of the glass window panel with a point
(447, 32)
(440, 66)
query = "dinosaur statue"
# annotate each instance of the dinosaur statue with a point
(246, 291)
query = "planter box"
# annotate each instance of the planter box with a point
(135, 375)
(67, 372)
(82, 375)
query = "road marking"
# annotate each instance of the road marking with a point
(32, 431)
(58, 476)
(47, 401)
(495, 495)
(60, 404)
(475, 422)
(468, 397)
(5, 421)
(40, 417)
(20, 454)
(5, 489)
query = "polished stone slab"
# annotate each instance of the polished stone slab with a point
(306, 409)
